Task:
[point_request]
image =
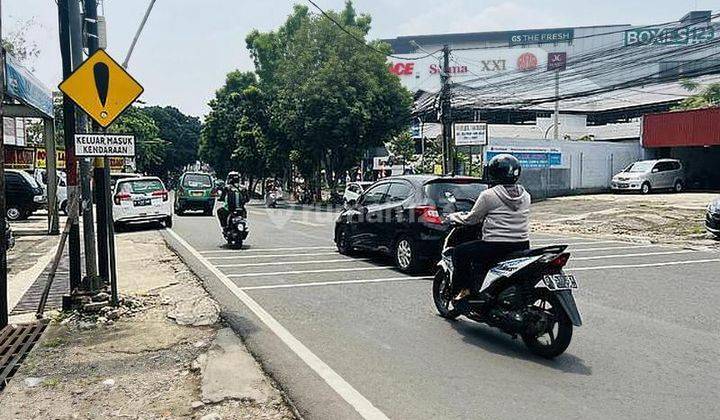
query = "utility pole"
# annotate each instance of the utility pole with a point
(100, 163)
(81, 125)
(3, 245)
(445, 114)
(556, 114)
(70, 159)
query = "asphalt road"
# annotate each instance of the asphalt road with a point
(352, 338)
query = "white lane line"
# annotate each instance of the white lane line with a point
(561, 242)
(344, 260)
(287, 273)
(644, 254)
(243, 251)
(663, 264)
(610, 248)
(361, 404)
(293, 255)
(311, 224)
(333, 283)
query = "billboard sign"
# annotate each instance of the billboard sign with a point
(529, 157)
(26, 88)
(543, 36)
(670, 36)
(557, 61)
(470, 134)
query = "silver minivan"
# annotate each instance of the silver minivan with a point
(649, 175)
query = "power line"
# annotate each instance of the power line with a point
(361, 41)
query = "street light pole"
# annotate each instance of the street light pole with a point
(137, 34)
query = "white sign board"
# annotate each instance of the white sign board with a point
(470, 134)
(104, 145)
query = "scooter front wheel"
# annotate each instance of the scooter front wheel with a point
(442, 295)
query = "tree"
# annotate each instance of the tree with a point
(703, 97)
(329, 97)
(150, 149)
(17, 44)
(182, 132)
(402, 148)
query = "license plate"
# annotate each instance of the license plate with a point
(197, 193)
(142, 202)
(623, 185)
(560, 282)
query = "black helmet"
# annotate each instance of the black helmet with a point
(503, 169)
(233, 177)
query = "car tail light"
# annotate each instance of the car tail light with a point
(121, 197)
(560, 260)
(428, 214)
(161, 193)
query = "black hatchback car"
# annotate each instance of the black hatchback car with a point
(23, 195)
(403, 216)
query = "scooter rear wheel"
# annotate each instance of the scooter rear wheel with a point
(442, 296)
(558, 332)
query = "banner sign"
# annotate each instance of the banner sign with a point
(529, 157)
(557, 61)
(543, 36)
(24, 87)
(470, 134)
(104, 145)
(9, 131)
(41, 159)
(670, 36)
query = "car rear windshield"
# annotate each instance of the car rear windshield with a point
(640, 167)
(197, 181)
(465, 195)
(142, 186)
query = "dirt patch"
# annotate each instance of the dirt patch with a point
(659, 218)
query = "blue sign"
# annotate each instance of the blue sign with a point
(21, 85)
(532, 159)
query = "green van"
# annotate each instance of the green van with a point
(195, 191)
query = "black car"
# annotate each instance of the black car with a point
(403, 216)
(23, 195)
(712, 218)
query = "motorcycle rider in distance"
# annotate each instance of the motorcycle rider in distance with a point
(504, 212)
(234, 196)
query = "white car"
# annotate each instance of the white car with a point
(353, 190)
(142, 199)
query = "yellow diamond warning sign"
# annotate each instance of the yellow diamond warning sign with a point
(102, 88)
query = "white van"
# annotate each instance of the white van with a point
(649, 175)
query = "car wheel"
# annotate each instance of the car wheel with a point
(179, 211)
(645, 188)
(208, 210)
(678, 186)
(342, 241)
(406, 256)
(14, 213)
(168, 222)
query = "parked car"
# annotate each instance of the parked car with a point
(195, 191)
(115, 177)
(143, 199)
(353, 190)
(712, 218)
(403, 216)
(40, 176)
(23, 195)
(649, 175)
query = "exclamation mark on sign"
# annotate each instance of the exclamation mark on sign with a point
(102, 84)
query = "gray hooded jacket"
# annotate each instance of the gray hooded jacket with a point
(506, 210)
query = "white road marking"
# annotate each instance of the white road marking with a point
(332, 283)
(662, 264)
(287, 273)
(610, 248)
(562, 242)
(301, 222)
(243, 251)
(644, 254)
(242, 257)
(344, 260)
(361, 404)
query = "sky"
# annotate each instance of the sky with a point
(188, 46)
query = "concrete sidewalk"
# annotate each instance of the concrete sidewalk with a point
(164, 353)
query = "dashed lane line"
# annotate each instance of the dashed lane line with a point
(334, 283)
(610, 248)
(643, 254)
(346, 391)
(243, 257)
(311, 224)
(264, 264)
(243, 251)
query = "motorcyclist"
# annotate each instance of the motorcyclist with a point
(504, 211)
(234, 196)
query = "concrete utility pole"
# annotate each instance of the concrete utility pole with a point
(81, 125)
(445, 114)
(3, 245)
(70, 159)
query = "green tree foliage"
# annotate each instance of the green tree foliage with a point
(181, 131)
(150, 149)
(16, 43)
(402, 147)
(703, 96)
(325, 98)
